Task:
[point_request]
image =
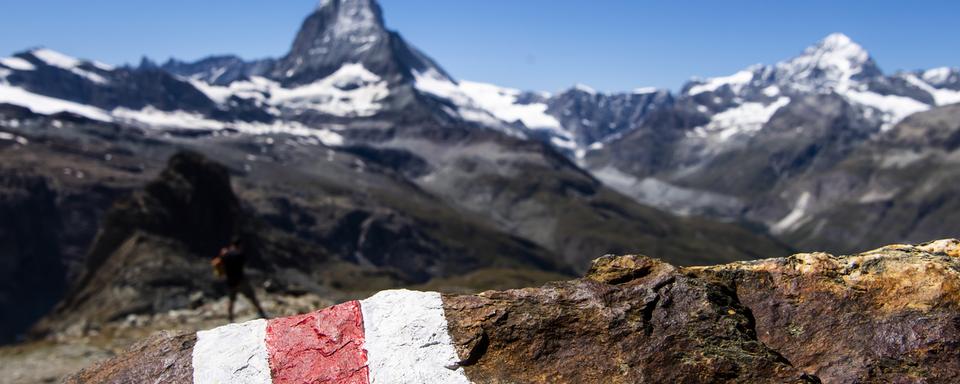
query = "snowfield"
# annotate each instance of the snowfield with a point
(745, 119)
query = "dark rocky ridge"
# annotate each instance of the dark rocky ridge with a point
(132, 88)
(340, 221)
(30, 234)
(152, 252)
(153, 246)
(595, 117)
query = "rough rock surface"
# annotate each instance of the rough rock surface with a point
(886, 316)
(632, 319)
(891, 315)
(168, 354)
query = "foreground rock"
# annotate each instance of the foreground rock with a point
(889, 315)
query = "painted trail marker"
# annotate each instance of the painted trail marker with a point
(396, 336)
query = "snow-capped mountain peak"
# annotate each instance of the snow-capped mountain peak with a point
(838, 41)
(339, 31)
(831, 63)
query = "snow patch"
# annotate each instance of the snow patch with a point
(736, 81)
(55, 58)
(940, 96)
(771, 91)
(937, 76)
(48, 105)
(188, 120)
(796, 216)
(407, 340)
(71, 64)
(351, 91)
(256, 88)
(17, 63)
(11, 137)
(166, 119)
(102, 66)
(502, 103)
(644, 90)
(436, 84)
(876, 196)
(893, 108)
(584, 88)
(565, 143)
(746, 118)
(218, 94)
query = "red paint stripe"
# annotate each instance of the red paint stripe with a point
(319, 347)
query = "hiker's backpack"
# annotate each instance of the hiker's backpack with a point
(219, 266)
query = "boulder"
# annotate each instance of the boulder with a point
(885, 316)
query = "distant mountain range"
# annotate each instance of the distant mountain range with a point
(358, 146)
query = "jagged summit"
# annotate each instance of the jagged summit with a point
(838, 40)
(354, 15)
(834, 63)
(349, 31)
(831, 63)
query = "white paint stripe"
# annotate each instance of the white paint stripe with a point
(407, 341)
(235, 353)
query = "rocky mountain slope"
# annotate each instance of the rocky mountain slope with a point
(745, 146)
(357, 164)
(734, 148)
(352, 202)
(865, 186)
(635, 319)
(741, 147)
(354, 143)
(152, 253)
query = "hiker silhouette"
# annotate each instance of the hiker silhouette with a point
(230, 265)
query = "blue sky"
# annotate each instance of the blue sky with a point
(611, 45)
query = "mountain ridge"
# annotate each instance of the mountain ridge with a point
(387, 168)
(381, 143)
(346, 76)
